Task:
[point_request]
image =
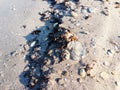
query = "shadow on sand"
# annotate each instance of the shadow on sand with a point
(40, 42)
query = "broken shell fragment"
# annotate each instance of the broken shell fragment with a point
(33, 44)
(74, 14)
(82, 72)
(32, 84)
(65, 55)
(105, 12)
(80, 80)
(65, 73)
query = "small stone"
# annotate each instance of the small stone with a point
(37, 49)
(26, 47)
(60, 1)
(50, 52)
(74, 14)
(67, 64)
(33, 78)
(55, 24)
(60, 81)
(14, 53)
(47, 61)
(117, 5)
(36, 80)
(83, 10)
(105, 12)
(104, 75)
(65, 73)
(84, 32)
(82, 73)
(45, 68)
(23, 26)
(26, 68)
(87, 17)
(33, 56)
(88, 69)
(117, 83)
(33, 44)
(65, 55)
(109, 52)
(114, 72)
(90, 10)
(32, 84)
(80, 80)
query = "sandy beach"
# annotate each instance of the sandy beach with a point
(60, 45)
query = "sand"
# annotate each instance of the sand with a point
(100, 40)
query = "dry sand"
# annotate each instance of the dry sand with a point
(99, 35)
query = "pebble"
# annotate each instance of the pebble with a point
(33, 78)
(47, 61)
(32, 84)
(109, 52)
(60, 81)
(33, 56)
(23, 26)
(50, 52)
(45, 68)
(26, 68)
(54, 25)
(104, 75)
(36, 80)
(83, 10)
(14, 53)
(90, 10)
(84, 32)
(74, 14)
(33, 44)
(87, 17)
(65, 73)
(65, 55)
(82, 73)
(80, 80)
(117, 83)
(26, 47)
(114, 72)
(59, 1)
(105, 12)
(117, 5)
